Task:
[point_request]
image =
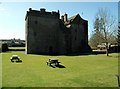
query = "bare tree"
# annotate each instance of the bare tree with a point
(106, 24)
(118, 35)
(96, 37)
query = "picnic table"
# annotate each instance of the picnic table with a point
(53, 61)
(15, 58)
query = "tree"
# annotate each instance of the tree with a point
(4, 47)
(118, 38)
(106, 24)
(97, 36)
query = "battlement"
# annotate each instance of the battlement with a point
(42, 13)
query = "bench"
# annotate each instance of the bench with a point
(53, 61)
(15, 58)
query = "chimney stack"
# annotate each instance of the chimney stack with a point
(65, 18)
(62, 18)
(30, 9)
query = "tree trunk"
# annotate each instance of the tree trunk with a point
(107, 49)
(107, 52)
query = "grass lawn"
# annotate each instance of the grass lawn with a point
(80, 71)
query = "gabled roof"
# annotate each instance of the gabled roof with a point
(75, 16)
(76, 19)
(70, 20)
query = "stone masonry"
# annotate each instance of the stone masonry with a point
(47, 33)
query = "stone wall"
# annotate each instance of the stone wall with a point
(46, 33)
(42, 34)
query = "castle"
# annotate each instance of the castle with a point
(47, 33)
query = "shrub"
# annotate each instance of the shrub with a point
(4, 47)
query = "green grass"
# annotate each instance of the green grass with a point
(80, 71)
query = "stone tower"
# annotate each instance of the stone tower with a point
(46, 33)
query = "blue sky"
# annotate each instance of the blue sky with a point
(12, 14)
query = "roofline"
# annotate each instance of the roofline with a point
(82, 18)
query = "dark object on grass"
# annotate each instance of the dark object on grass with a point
(55, 62)
(52, 61)
(4, 47)
(15, 58)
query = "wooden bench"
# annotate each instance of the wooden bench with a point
(53, 61)
(15, 58)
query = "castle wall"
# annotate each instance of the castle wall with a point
(47, 34)
(62, 39)
(42, 34)
(78, 34)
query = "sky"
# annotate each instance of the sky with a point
(12, 14)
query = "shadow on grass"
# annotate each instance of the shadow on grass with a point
(20, 61)
(57, 66)
(6, 52)
(71, 54)
(52, 66)
(60, 66)
(114, 56)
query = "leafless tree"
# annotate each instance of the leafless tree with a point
(118, 34)
(107, 23)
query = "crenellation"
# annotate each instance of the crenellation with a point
(42, 13)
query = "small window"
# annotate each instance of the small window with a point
(36, 22)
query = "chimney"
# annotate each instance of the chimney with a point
(30, 9)
(65, 18)
(62, 18)
(42, 10)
